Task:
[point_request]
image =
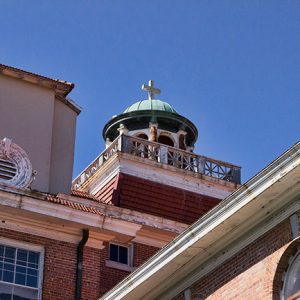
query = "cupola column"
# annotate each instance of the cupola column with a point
(153, 132)
(190, 149)
(123, 129)
(107, 143)
(182, 139)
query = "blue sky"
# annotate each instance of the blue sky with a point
(232, 67)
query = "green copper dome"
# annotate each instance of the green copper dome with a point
(150, 104)
(139, 115)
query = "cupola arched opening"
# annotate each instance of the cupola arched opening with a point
(166, 140)
(142, 136)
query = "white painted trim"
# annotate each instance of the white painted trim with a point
(130, 255)
(174, 177)
(21, 244)
(51, 229)
(151, 241)
(129, 251)
(63, 223)
(119, 266)
(105, 174)
(159, 173)
(228, 252)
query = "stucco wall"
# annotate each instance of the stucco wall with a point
(26, 118)
(63, 141)
(43, 126)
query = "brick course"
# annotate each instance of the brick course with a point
(253, 273)
(59, 274)
(163, 200)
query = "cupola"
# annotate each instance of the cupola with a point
(154, 120)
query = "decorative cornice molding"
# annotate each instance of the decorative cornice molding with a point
(114, 222)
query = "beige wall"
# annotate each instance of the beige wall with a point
(63, 142)
(33, 119)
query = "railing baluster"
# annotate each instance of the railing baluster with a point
(163, 154)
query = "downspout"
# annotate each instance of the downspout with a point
(85, 237)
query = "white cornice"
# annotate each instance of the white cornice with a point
(255, 202)
(65, 223)
(159, 173)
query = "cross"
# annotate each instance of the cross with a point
(150, 89)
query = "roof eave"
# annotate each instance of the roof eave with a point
(60, 87)
(150, 113)
(145, 283)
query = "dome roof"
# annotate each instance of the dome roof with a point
(139, 115)
(150, 104)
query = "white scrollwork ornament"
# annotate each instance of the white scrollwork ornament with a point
(22, 174)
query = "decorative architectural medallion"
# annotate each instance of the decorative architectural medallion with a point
(15, 166)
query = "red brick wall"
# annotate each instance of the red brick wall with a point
(142, 253)
(162, 200)
(249, 274)
(91, 273)
(60, 267)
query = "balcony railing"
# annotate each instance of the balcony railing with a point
(163, 154)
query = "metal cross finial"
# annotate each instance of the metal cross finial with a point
(150, 89)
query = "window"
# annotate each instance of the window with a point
(118, 254)
(142, 136)
(120, 257)
(291, 285)
(166, 140)
(20, 271)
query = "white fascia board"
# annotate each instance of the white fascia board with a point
(174, 286)
(68, 214)
(121, 222)
(173, 253)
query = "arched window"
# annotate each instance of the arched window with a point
(164, 139)
(142, 136)
(291, 284)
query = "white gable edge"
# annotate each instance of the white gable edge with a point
(287, 162)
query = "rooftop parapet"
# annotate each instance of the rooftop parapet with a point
(165, 155)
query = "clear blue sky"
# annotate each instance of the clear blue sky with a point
(232, 67)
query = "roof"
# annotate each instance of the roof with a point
(81, 194)
(74, 205)
(86, 211)
(256, 207)
(150, 104)
(62, 88)
(139, 119)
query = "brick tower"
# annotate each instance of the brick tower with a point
(149, 165)
(143, 190)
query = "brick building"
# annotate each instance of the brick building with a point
(76, 240)
(247, 247)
